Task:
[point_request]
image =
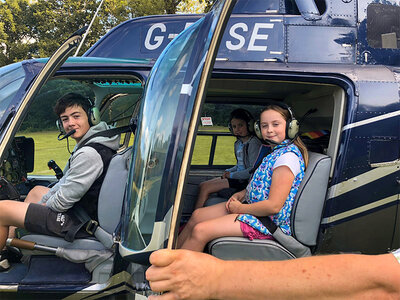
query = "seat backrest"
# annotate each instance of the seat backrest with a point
(310, 199)
(112, 191)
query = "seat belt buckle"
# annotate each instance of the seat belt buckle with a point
(91, 227)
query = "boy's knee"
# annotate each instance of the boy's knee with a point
(36, 194)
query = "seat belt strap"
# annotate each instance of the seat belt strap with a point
(91, 227)
(289, 242)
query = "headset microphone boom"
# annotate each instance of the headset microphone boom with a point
(68, 134)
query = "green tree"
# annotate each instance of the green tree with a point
(36, 28)
(15, 37)
(192, 6)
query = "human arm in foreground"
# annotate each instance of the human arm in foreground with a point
(184, 274)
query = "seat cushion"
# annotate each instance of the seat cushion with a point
(240, 248)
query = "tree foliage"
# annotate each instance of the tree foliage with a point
(36, 28)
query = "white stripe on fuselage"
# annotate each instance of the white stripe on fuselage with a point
(357, 182)
(372, 120)
(360, 209)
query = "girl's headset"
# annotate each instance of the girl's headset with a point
(245, 115)
(93, 117)
(292, 125)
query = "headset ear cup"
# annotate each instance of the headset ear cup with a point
(60, 126)
(293, 129)
(257, 130)
(251, 125)
(94, 116)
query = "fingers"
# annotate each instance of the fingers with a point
(165, 296)
(163, 257)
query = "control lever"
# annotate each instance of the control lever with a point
(53, 166)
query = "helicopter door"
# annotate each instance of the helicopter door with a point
(170, 108)
(13, 118)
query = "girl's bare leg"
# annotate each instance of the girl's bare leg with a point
(208, 187)
(206, 231)
(201, 215)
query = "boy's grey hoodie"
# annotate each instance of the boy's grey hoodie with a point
(83, 168)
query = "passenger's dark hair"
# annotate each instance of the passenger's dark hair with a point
(241, 114)
(71, 99)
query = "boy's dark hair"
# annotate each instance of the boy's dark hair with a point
(241, 114)
(71, 99)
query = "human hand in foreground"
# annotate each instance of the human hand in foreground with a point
(184, 274)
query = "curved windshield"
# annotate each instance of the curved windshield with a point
(161, 135)
(11, 79)
(156, 129)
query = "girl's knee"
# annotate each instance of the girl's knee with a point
(196, 216)
(200, 232)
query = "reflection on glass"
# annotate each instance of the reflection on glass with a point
(162, 131)
(11, 78)
(154, 137)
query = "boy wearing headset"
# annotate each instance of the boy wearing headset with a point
(48, 211)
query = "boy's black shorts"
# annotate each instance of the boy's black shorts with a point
(41, 219)
(239, 184)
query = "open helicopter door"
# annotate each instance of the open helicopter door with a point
(22, 99)
(171, 105)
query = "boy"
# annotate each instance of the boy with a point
(48, 211)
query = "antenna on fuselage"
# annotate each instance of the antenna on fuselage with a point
(90, 25)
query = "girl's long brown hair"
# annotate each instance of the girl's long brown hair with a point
(286, 115)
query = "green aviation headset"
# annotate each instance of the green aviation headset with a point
(92, 112)
(292, 125)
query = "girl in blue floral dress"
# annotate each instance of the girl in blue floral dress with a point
(271, 191)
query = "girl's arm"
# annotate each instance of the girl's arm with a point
(282, 180)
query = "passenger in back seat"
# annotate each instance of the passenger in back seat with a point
(48, 211)
(247, 146)
(271, 191)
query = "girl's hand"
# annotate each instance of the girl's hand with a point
(234, 206)
(235, 196)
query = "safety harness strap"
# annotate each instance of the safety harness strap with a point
(289, 242)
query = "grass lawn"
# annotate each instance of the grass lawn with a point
(47, 147)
